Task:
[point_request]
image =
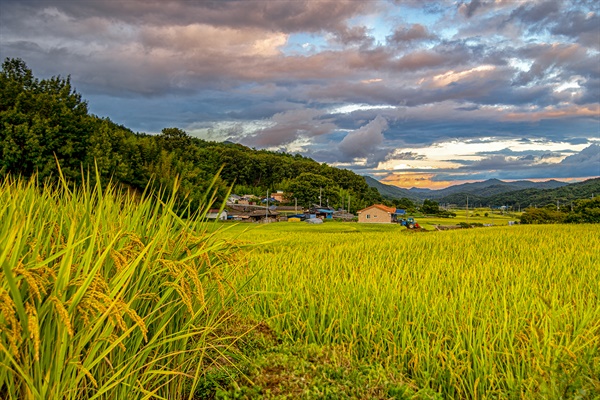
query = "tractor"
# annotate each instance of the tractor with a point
(409, 222)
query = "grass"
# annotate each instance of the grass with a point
(504, 312)
(476, 216)
(106, 295)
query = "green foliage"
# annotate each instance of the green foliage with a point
(40, 120)
(583, 211)
(45, 121)
(542, 197)
(107, 295)
(404, 203)
(311, 188)
(542, 216)
(431, 207)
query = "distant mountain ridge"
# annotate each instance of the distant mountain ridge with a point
(485, 188)
(391, 192)
(495, 192)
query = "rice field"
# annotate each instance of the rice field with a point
(106, 295)
(503, 312)
(109, 295)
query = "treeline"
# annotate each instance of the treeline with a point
(564, 195)
(45, 122)
(580, 211)
(523, 198)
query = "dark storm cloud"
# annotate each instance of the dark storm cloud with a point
(580, 26)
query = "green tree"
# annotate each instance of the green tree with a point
(40, 121)
(585, 211)
(307, 188)
(543, 215)
(430, 207)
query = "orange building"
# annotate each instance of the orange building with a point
(377, 214)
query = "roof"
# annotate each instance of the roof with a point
(390, 210)
(324, 211)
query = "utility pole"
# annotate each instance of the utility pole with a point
(320, 196)
(348, 204)
(267, 208)
(295, 205)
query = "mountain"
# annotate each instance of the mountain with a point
(492, 187)
(541, 197)
(476, 190)
(391, 192)
(494, 192)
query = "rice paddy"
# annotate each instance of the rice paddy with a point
(506, 312)
(107, 295)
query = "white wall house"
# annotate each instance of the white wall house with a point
(214, 214)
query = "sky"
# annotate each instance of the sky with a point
(413, 93)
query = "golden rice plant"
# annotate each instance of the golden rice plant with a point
(508, 312)
(105, 294)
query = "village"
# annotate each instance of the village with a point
(249, 208)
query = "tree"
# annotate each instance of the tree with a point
(40, 121)
(307, 187)
(404, 203)
(430, 207)
(542, 216)
(585, 211)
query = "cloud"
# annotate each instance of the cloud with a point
(289, 126)
(469, 9)
(590, 156)
(423, 73)
(364, 141)
(414, 32)
(284, 16)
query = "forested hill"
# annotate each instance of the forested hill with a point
(44, 121)
(497, 193)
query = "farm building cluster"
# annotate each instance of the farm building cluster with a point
(249, 208)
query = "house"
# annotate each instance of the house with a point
(233, 199)
(264, 215)
(278, 196)
(214, 214)
(378, 214)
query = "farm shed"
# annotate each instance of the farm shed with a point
(214, 213)
(263, 215)
(377, 214)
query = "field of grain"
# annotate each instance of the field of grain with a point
(109, 295)
(106, 295)
(506, 312)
